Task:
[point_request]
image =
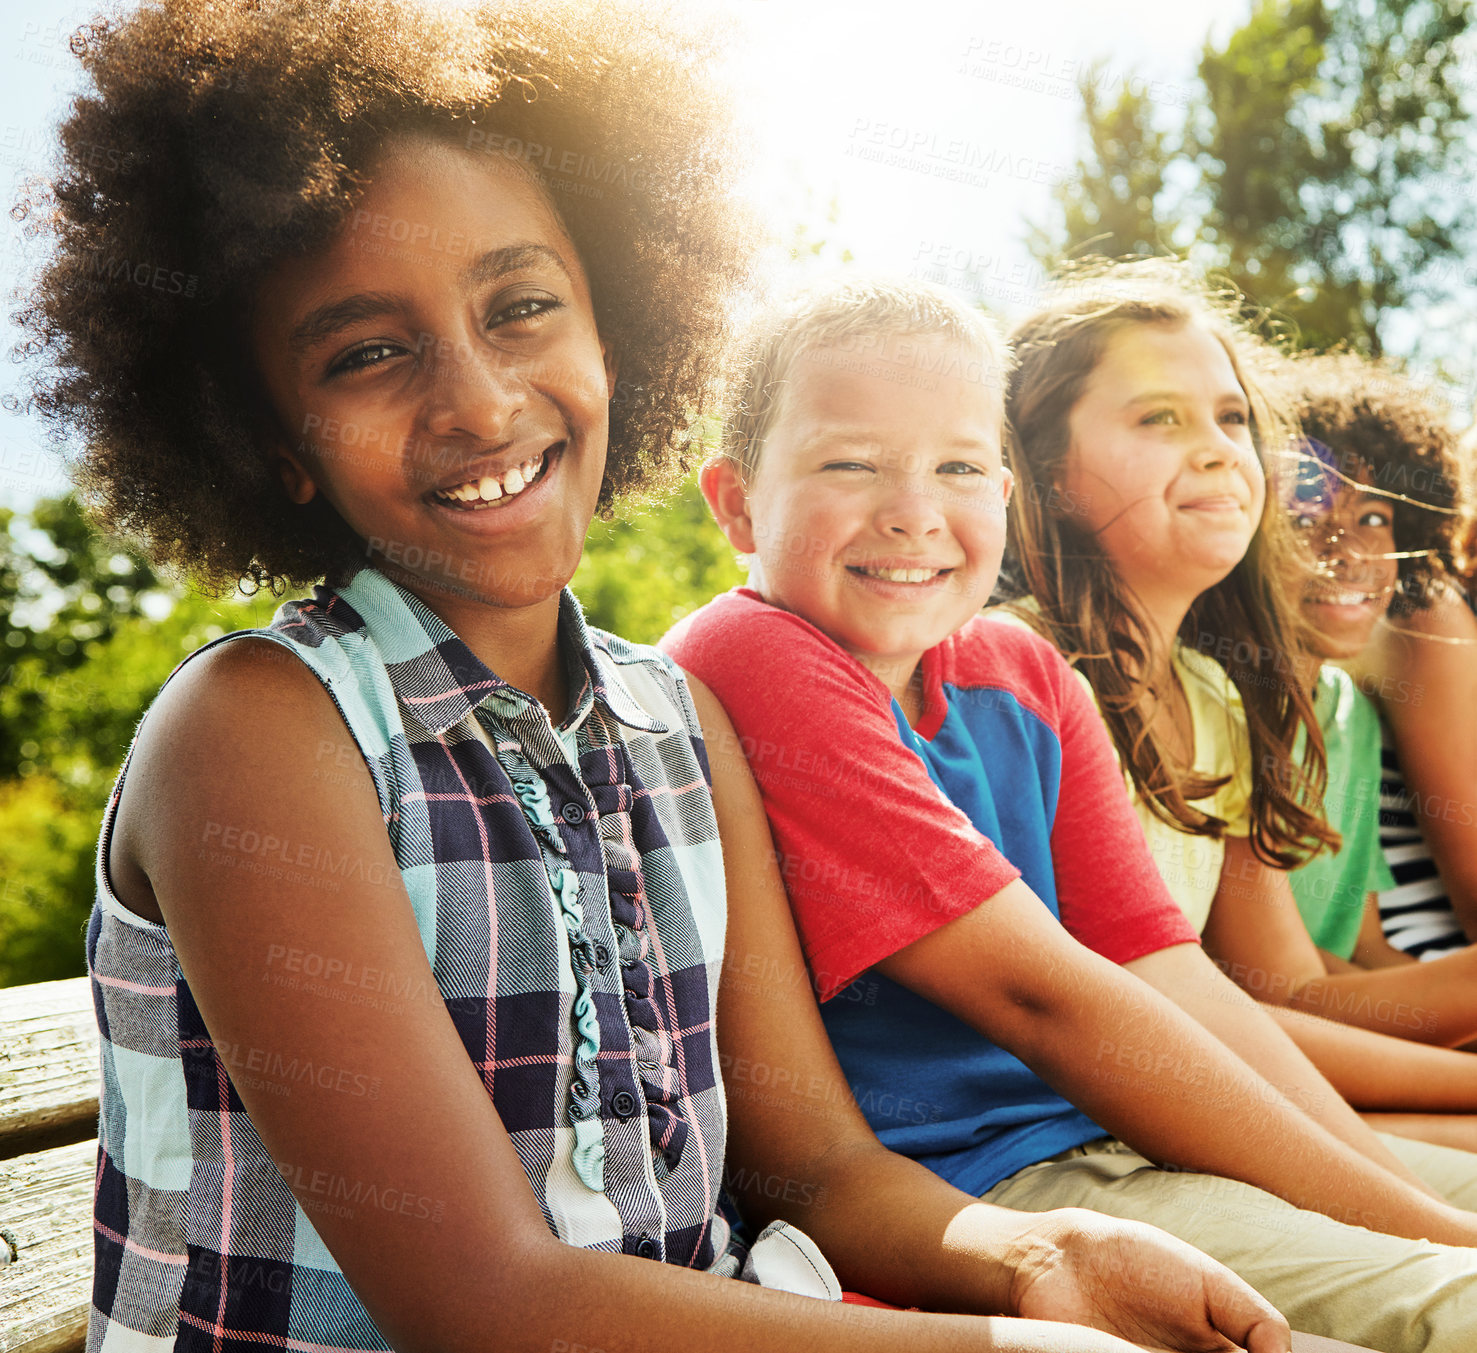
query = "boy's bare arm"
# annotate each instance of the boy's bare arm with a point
(1148, 1072)
(800, 1149)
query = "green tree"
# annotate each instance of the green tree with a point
(652, 565)
(1336, 158)
(1116, 203)
(90, 634)
(1327, 166)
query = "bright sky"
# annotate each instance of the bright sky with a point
(939, 126)
(936, 126)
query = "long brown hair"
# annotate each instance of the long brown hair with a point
(1246, 621)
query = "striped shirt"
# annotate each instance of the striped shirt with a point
(1415, 913)
(568, 888)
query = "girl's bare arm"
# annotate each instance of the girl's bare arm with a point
(1372, 949)
(1256, 933)
(1380, 1074)
(465, 1259)
(1421, 670)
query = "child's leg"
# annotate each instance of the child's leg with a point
(1314, 1343)
(1336, 1280)
(1455, 1130)
(1447, 1168)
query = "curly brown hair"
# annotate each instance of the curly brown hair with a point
(219, 136)
(1246, 620)
(1386, 430)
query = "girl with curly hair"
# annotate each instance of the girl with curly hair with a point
(1414, 659)
(412, 907)
(1372, 492)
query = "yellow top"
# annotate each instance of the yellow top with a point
(1191, 865)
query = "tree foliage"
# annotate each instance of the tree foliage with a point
(89, 632)
(652, 565)
(1326, 167)
(1115, 203)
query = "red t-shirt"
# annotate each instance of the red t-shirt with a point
(885, 832)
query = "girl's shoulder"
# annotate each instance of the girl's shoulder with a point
(310, 642)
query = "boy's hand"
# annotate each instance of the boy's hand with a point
(1139, 1283)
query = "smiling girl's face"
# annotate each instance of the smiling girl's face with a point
(437, 377)
(1161, 468)
(1352, 542)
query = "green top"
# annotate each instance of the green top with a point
(1331, 889)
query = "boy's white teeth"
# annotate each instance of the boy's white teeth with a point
(490, 488)
(900, 575)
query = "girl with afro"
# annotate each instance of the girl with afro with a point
(1415, 662)
(412, 907)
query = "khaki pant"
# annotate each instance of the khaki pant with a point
(1328, 1278)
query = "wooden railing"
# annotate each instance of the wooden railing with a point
(48, 1161)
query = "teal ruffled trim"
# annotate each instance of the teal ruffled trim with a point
(589, 1138)
(584, 1089)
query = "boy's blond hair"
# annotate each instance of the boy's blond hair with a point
(855, 316)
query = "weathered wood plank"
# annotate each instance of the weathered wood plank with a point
(48, 1059)
(46, 1211)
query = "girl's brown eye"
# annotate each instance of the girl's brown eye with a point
(529, 307)
(356, 359)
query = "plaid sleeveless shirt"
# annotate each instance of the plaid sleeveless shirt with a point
(564, 912)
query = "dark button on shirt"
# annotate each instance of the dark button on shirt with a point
(623, 1104)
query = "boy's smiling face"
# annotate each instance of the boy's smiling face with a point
(437, 376)
(877, 511)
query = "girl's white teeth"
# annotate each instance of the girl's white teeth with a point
(489, 488)
(901, 575)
